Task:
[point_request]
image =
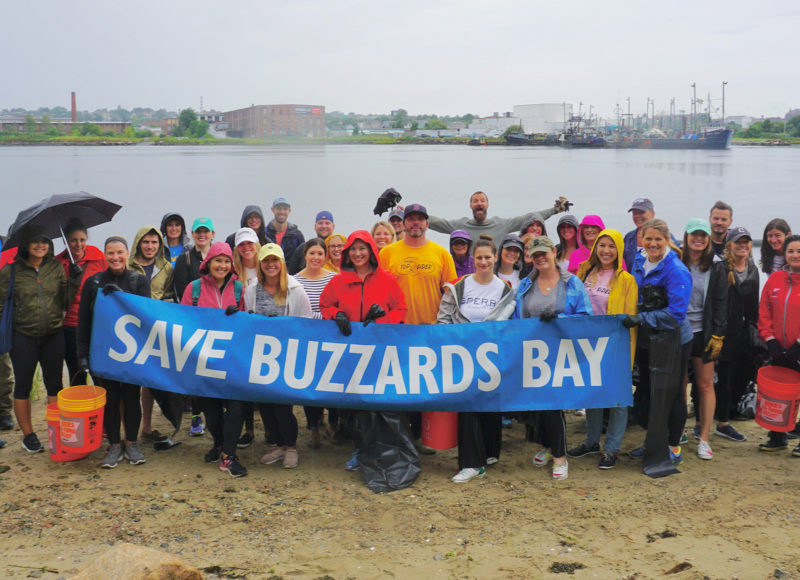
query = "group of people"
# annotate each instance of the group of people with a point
(692, 306)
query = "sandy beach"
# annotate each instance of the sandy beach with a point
(733, 517)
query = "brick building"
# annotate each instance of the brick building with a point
(277, 121)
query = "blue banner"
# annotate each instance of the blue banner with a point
(516, 365)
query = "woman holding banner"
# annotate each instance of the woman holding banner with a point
(361, 292)
(611, 291)
(277, 294)
(476, 298)
(120, 396)
(549, 292)
(219, 287)
(664, 343)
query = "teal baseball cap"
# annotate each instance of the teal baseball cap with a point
(698, 225)
(203, 222)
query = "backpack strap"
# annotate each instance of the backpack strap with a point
(238, 287)
(195, 291)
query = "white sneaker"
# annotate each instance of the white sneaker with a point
(542, 458)
(704, 450)
(468, 473)
(491, 460)
(580, 412)
(560, 470)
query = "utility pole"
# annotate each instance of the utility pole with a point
(694, 104)
(723, 102)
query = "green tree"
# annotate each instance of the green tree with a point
(512, 129)
(30, 124)
(186, 117)
(198, 129)
(435, 124)
(793, 126)
(45, 123)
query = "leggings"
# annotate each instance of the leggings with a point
(479, 436)
(224, 419)
(281, 423)
(128, 395)
(48, 351)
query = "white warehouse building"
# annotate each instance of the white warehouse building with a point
(543, 117)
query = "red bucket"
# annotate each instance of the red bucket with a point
(439, 429)
(57, 452)
(778, 398)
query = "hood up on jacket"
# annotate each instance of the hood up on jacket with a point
(160, 259)
(567, 219)
(589, 220)
(536, 217)
(593, 260)
(217, 249)
(248, 209)
(364, 236)
(185, 238)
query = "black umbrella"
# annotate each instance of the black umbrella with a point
(53, 213)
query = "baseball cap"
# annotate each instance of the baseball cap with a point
(396, 213)
(540, 244)
(735, 234)
(245, 235)
(414, 208)
(270, 249)
(698, 225)
(280, 200)
(511, 241)
(462, 235)
(324, 215)
(641, 203)
(203, 222)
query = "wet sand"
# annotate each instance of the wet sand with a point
(736, 516)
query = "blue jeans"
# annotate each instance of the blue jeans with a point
(617, 421)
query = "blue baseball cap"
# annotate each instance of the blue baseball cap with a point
(415, 208)
(324, 215)
(280, 200)
(396, 213)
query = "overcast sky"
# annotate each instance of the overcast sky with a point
(427, 56)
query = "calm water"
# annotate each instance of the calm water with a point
(760, 182)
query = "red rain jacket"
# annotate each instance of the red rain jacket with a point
(779, 309)
(348, 293)
(94, 261)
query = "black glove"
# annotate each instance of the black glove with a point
(232, 309)
(793, 352)
(109, 288)
(631, 320)
(75, 271)
(775, 350)
(83, 364)
(343, 323)
(548, 315)
(374, 313)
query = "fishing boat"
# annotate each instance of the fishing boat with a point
(716, 138)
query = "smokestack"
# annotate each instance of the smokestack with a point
(74, 109)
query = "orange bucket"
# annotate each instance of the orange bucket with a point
(80, 411)
(439, 429)
(778, 398)
(58, 453)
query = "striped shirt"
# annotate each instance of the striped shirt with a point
(313, 290)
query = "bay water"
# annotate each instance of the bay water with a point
(218, 181)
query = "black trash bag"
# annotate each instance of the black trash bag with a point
(387, 456)
(652, 298)
(665, 385)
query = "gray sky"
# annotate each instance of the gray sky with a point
(443, 57)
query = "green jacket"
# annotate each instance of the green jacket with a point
(161, 284)
(40, 298)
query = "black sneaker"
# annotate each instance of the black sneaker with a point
(729, 432)
(213, 455)
(773, 445)
(245, 440)
(583, 449)
(6, 422)
(607, 460)
(231, 465)
(793, 434)
(796, 451)
(31, 443)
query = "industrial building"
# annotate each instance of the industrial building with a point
(277, 121)
(543, 117)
